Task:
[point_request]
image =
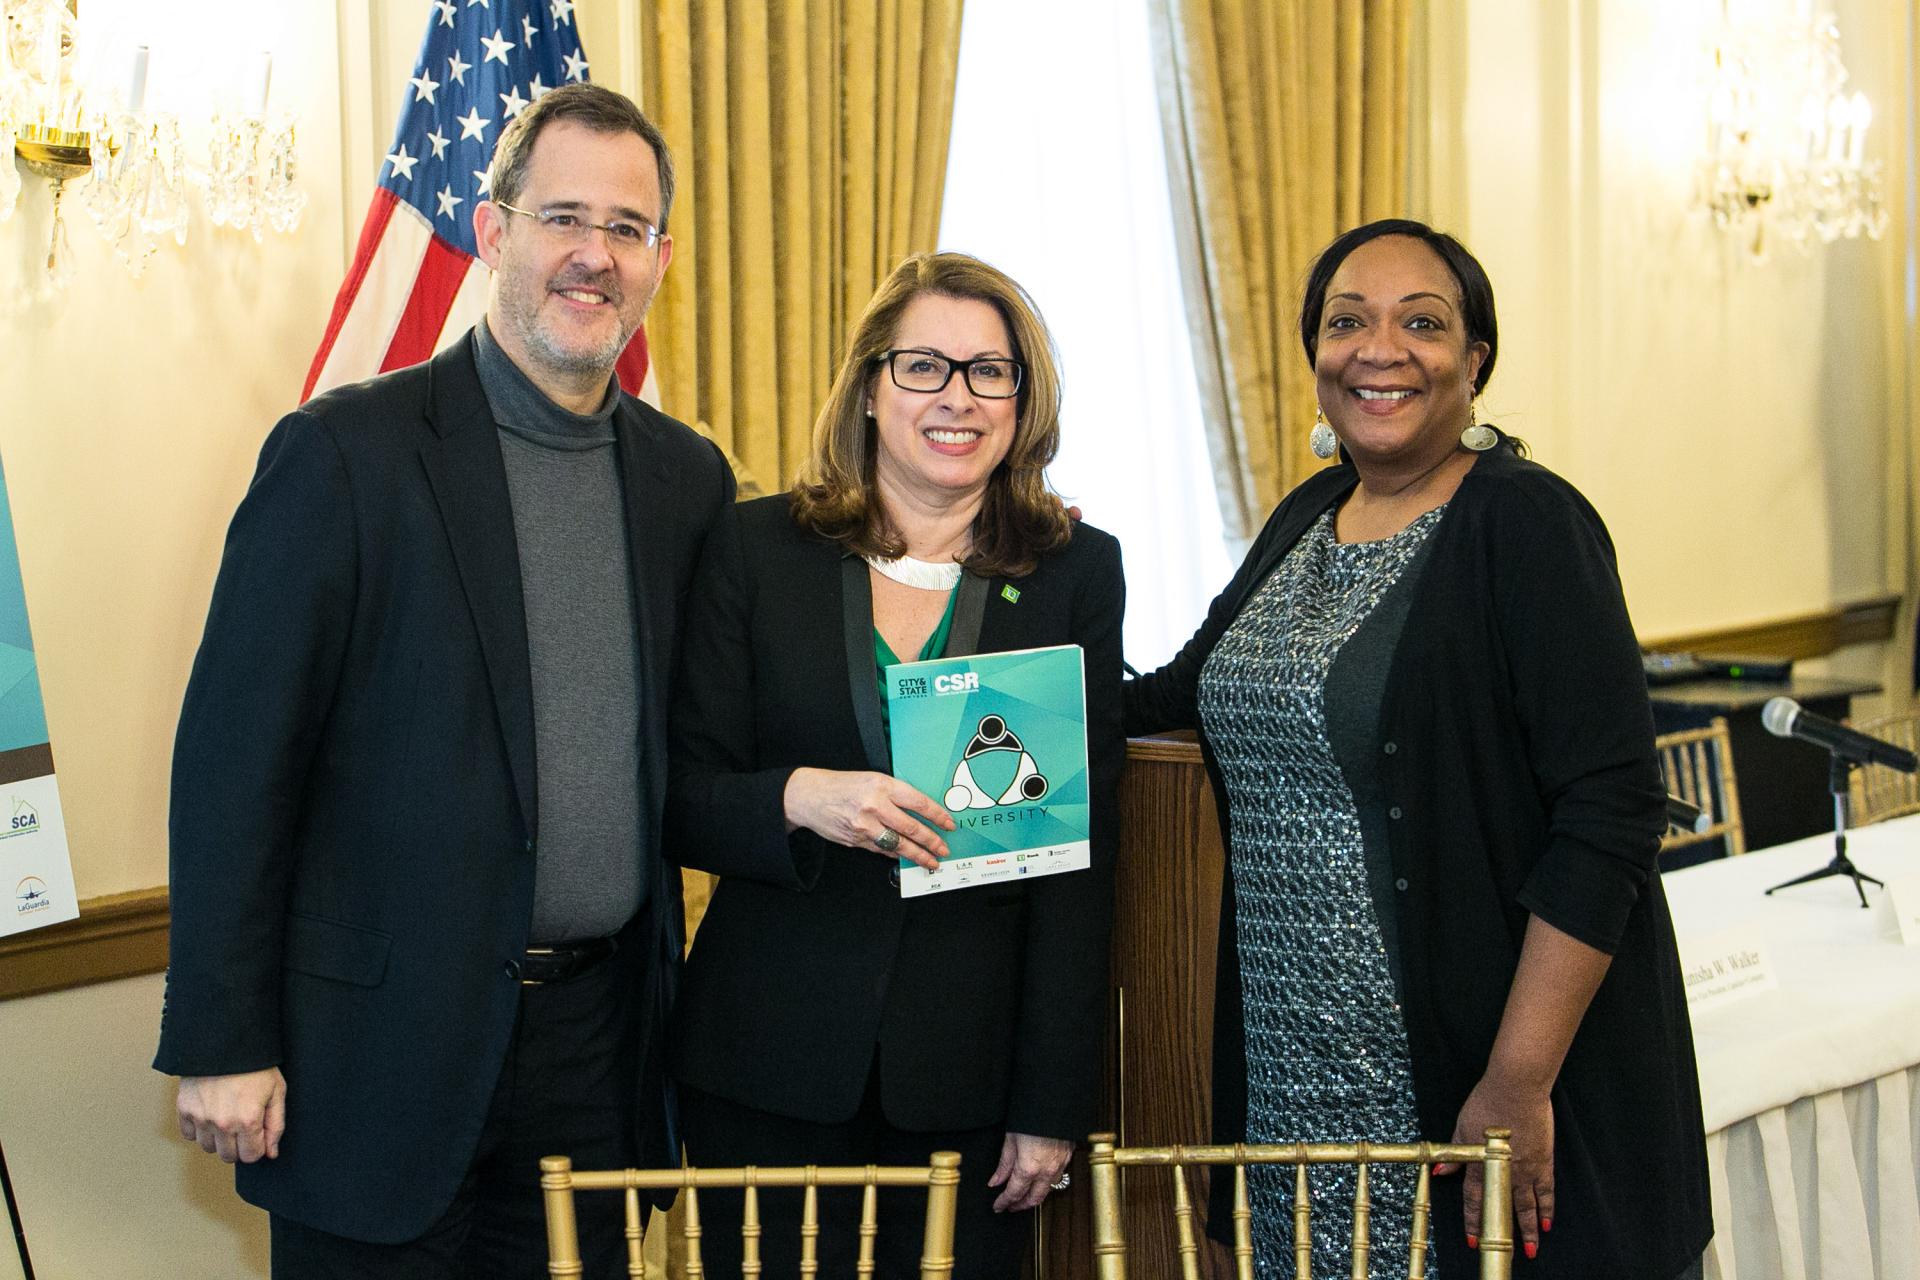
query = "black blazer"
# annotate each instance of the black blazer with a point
(353, 814)
(985, 1006)
(1517, 756)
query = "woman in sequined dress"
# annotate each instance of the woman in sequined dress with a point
(1422, 710)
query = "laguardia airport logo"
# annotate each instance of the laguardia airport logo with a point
(994, 770)
(24, 820)
(31, 895)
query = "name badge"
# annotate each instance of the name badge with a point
(1725, 966)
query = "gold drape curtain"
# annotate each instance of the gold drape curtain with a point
(1286, 123)
(811, 143)
(1902, 671)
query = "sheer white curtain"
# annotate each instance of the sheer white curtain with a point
(1057, 176)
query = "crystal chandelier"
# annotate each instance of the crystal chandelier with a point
(131, 157)
(1786, 142)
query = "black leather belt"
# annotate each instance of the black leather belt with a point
(560, 961)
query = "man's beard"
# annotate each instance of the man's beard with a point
(576, 361)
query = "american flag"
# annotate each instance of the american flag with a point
(416, 282)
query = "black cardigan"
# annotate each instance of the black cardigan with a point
(1517, 752)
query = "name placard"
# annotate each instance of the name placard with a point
(1726, 966)
(1903, 895)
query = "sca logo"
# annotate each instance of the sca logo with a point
(30, 895)
(995, 770)
(24, 820)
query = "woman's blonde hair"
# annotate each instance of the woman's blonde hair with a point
(1020, 518)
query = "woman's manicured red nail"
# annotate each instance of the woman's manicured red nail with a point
(1531, 1249)
(1546, 1224)
(1473, 1241)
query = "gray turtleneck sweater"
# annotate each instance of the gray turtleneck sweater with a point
(576, 577)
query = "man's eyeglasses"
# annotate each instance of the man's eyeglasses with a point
(563, 226)
(989, 377)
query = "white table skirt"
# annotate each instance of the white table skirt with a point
(1822, 1187)
(1812, 1090)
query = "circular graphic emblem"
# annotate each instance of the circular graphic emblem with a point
(995, 769)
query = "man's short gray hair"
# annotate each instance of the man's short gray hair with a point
(599, 109)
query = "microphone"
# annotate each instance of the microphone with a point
(1682, 816)
(1785, 718)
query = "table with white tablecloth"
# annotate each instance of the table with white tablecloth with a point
(1811, 1089)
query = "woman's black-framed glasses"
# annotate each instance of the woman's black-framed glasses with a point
(989, 377)
(630, 235)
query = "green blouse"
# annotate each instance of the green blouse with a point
(884, 656)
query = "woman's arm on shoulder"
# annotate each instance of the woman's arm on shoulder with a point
(1169, 697)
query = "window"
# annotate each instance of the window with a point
(1057, 176)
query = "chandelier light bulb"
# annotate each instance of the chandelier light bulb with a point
(1862, 114)
(137, 82)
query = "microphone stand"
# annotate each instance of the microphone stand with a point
(13, 1214)
(1838, 768)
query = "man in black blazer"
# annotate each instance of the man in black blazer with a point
(422, 929)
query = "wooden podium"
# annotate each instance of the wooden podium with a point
(1160, 1024)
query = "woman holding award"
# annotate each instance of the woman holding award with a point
(825, 1018)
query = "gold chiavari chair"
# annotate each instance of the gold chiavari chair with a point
(1496, 1207)
(941, 1177)
(1698, 767)
(1880, 793)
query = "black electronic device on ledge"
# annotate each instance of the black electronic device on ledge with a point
(1678, 668)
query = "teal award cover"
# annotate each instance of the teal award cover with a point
(999, 740)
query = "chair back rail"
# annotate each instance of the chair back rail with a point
(1496, 1210)
(1697, 765)
(559, 1181)
(1880, 793)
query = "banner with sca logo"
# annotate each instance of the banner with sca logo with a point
(1000, 740)
(34, 870)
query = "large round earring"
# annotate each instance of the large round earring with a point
(1478, 436)
(1322, 440)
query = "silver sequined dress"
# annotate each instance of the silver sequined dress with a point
(1327, 1056)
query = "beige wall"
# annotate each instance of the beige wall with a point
(133, 409)
(106, 1186)
(1729, 420)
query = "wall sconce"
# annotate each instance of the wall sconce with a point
(39, 115)
(137, 193)
(1786, 143)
